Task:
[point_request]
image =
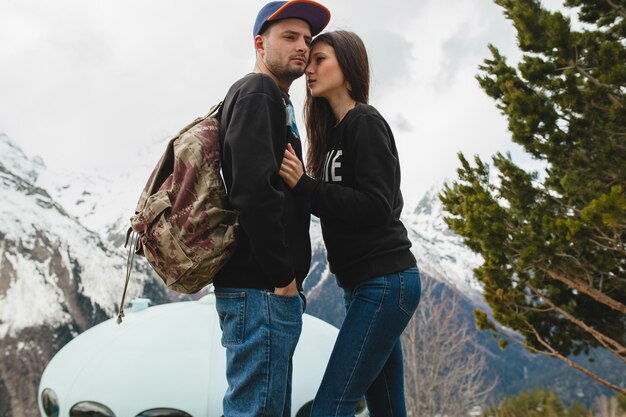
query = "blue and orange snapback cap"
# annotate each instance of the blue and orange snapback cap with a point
(312, 12)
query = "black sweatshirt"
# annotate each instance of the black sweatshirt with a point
(273, 243)
(359, 200)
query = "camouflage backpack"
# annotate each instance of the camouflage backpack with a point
(181, 224)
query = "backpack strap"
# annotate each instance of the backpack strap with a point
(166, 163)
(131, 236)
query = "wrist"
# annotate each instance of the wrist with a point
(305, 186)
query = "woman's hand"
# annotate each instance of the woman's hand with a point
(291, 168)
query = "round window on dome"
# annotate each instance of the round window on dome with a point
(50, 403)
(163, 412)
(91, 409)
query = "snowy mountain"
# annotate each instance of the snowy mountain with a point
(40, 240)
(101, 202)
(441, 253)
(57, 278)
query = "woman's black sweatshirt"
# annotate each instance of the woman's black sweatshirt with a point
(359, 200)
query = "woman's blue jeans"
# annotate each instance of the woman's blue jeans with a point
(367, 357)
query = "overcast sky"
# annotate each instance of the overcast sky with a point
(86, 83)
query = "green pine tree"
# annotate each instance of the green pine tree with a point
(535, 403)
(578, 410)
(553, 241)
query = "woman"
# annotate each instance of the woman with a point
(355, 191)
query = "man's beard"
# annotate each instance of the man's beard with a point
(284, 71)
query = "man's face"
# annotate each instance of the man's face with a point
(286, 48)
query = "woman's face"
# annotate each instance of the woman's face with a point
(324, 76)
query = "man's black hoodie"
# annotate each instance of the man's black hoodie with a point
(273, 243)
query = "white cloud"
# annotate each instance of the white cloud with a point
(85, 84)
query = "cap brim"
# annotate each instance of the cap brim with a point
(314, 13)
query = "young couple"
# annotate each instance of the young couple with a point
(352, 184)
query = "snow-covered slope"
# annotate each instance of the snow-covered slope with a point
(103, 202)
(440, 252)
(57, 278)
(15, 161)
(41, 242)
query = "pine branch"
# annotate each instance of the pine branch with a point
(615, 243)
(582, 287)
(583, 267)
(595, 81)
(618, 9)
(553, 353)
(556, 354)
(611, 345)
(537, 309)
(609, 248)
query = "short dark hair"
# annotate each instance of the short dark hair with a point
(266, 27)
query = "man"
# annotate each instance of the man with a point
(257, 291)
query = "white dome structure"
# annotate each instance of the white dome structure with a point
(162, 361)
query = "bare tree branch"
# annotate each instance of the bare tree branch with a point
(444, 368)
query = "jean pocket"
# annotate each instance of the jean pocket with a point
(410, 290)
(231, 309)
(372, 291)
(286, 308)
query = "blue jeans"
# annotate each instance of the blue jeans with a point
(260, 331)
(367, 357)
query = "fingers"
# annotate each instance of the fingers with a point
(291, 161)
(290, 168)
(287, 171)
(283, 171)
(291, 155)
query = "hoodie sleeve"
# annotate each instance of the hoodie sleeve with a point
(255, 141)
(369, 201)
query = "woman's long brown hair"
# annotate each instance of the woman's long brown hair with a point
(318, 115)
